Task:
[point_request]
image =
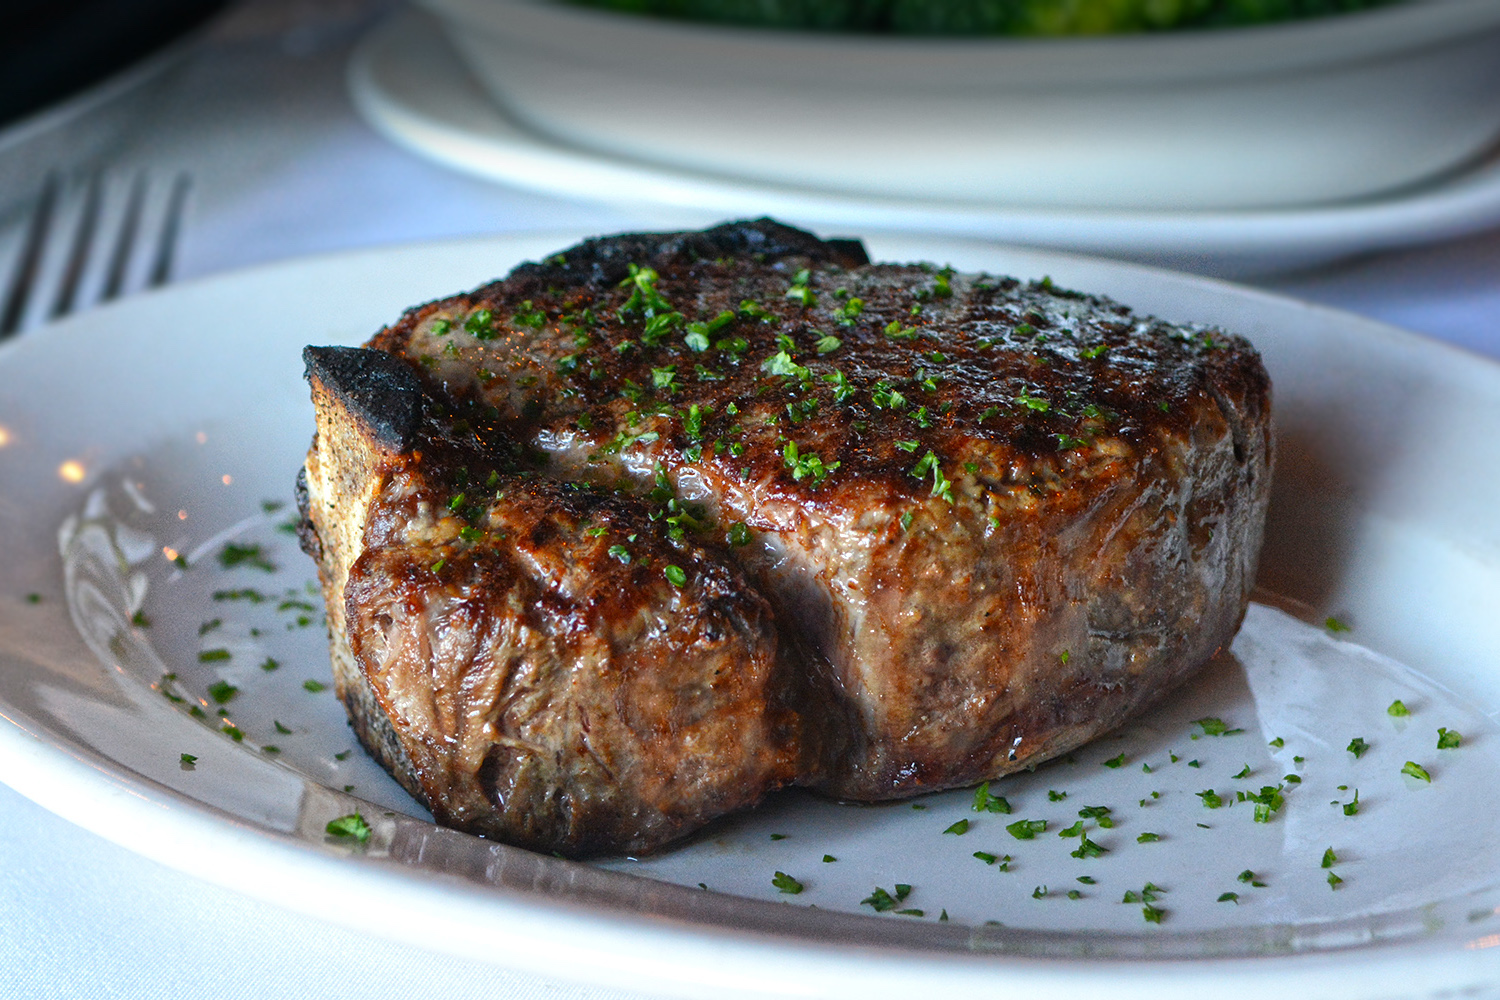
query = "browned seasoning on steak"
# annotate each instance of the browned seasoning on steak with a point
(990, 519)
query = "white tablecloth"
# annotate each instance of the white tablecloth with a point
(283, 167)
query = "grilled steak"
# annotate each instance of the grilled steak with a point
(991, 519)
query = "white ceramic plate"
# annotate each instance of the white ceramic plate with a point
(411, 85)
(157, 428)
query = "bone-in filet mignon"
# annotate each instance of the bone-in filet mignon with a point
(895, 528)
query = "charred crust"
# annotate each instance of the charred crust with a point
(377, 389)
(606, 260)
(307, 534)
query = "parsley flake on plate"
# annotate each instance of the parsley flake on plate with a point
(352, 827)
(1027, 829)
(985, 802)
(785, 883)
(1416, 770)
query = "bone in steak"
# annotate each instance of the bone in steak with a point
(891, 529)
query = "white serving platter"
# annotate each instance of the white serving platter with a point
(410, 84)
(159, 427)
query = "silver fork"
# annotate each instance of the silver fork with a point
(37, 263)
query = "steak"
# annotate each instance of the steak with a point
(961, 523)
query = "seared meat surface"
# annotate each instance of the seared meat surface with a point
(502, 656)
(992, 519)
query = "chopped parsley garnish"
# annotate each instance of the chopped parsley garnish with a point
(1334, 881)
(828, 344)
(778, 836)
(1357, 747)
(1100, 814)
(1153, 914)
(1053, 795)
(1031, 402)
(785, 883)
(481, 323)
(809, 465)
(1278, 743)
(222, 691)
(233, 555)
(1074, 894)
(352, 827)
(1148, 838)
(1228, 897)
(1215, 727)
(1210, 799)
(959, 828)
(283, 730)
(1329, 858)
(895, 331)
(1040, 892)
(1026, 829)
(529, 317)
(188, 759)
(986, 857)
(1243, 772)
(213, 655)
(314, 686)
(829, 859)
(1115, 762)
(1267, 801)
(621, 553)
(1448, 739)
(1088, 849)
(1351, 808)
(885, 396)
(881, 901)
(1416, 770)
(675, 576)
(1076, 830)
(139, 620)
(1087, 879)
(1334, 625)
(739, 534)
(1398, 709)
(985, 802)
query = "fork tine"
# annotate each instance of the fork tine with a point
(83, 244)
(166, 241)
(119, 260)
(30, 259)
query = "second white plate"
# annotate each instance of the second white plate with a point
(411, 85)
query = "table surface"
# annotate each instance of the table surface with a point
(283, 167)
